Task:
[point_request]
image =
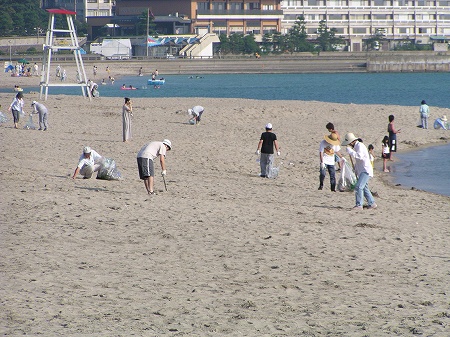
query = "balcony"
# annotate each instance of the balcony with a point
(207, 14)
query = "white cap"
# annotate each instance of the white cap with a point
(190, 111)
(168, 143)
(33, 103)
(269, 126)
(87, 150)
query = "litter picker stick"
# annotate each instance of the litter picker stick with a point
(165, 185)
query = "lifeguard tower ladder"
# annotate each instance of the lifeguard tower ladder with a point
(49, 47)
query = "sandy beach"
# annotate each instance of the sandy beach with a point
(222, 252)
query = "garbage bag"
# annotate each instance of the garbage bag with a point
(30, 125)
(347, 180)
(108, 170)
(3, 118)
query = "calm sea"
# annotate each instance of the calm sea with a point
(425, 169)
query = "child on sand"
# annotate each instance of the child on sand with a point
(385, 152)
(371, 156)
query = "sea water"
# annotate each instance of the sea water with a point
(406, 89)
(426, 169)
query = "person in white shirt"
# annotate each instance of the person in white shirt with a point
(196, 113)
(88, 163)
(329, 147)
(16, 108)
(363, 170)
(145, 157)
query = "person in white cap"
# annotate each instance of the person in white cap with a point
(196, 113)
(88, 163)
(145, 157)
(363, 170)
(266, 144)
(441, 123)
(40, 109)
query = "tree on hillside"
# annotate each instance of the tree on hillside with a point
(21, 17)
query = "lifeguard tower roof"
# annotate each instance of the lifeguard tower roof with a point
(61, 11)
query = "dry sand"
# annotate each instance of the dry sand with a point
(222, 252)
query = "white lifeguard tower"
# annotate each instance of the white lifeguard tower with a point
(49, 47)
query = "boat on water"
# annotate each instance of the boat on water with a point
(161, 81)
(128, 88)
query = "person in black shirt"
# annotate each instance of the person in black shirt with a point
(265, 147)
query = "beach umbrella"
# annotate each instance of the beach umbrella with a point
(23, 61)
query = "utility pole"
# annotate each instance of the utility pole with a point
(9, 41)
(148, 23)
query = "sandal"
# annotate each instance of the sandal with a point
(152, 193)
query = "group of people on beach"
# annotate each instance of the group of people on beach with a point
(16, 108)
(439, 123)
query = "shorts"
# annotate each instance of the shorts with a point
(386, 155)
(146, 168)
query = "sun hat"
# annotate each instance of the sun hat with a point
(349, 137)
(190, 111)
(168, 143)
(87, 150)
(331, 139)
(444, 118)
(269, 126)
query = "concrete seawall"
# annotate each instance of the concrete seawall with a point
(298, 63)
(409, 63)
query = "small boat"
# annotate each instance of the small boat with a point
(128, 88)
(161, 81)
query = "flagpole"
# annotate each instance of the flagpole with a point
(148, 19)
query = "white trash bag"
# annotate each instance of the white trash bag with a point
(347, 180)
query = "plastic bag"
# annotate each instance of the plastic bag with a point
(108, 170)
(30, 125)
(347, 180)
(3, 118)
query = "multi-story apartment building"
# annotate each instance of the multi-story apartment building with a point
(357, 20)
(236, 16)
(213, 16)
(83, 8)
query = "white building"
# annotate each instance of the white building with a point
(83, 8)
(356, 20)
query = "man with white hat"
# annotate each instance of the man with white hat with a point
(88, 163)
(40, 109)
(441, 123)
(145, 157)
(266, 144)
(363, 170)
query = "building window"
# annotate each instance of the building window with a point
(202, 6)
(359, 30)
(218, 6)
(236, 6)
(268, 7)
(254, 5)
